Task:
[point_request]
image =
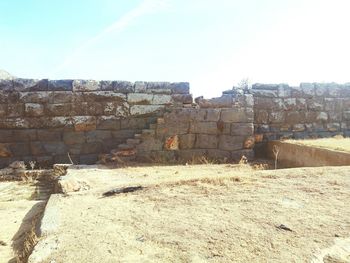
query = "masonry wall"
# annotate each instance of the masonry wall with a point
(43, 120)
(312, 110)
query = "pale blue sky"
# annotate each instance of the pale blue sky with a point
(212, 44)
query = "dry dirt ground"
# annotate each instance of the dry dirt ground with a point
(336, 143)
(17, 209)
(206, 213)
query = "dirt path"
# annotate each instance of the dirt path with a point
(213, 213)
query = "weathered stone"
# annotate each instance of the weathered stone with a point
(55, 148)
(294, 117)
(172, 143)
(290, 104)
(173, 128)
(162, 99)
(301, 104)
(236, 115)
(49, 135)
(123, 86)
(219, 155)
(261, 116)
(182, 98)
(6, 84)
(85, 85)
(180, 87)
(98, 135)
(34, 109)
(124, 134)
(36, 97)
(242, 129)
(332, 104)
(205, 141)
(151, 144)
(189, 155)
(3, 110)
(92, 148)
(30, 84)
(25, 135)
(19, 149)
(263, 128)
(265, 93)
(284, 91)
(230, 143)
(84, 123)
(64, 97)
(109, 123)
(224, 101)
(74, 138)
(346, 115)
(140, 86)
(322, 116)
(308, 89)
(335, 116)
(321, 89)
(335, 90)
(5, 151)
(6, 136)
(315, 104)
(123, 110)
(145, 109)
(204, 127)
(259, 86)
(103, 96)
(59, 109)
(269, 103)
(187, 141)
(37, 148)
(60, 85)
(249, 100)
(88, 158)
(296, 92)
(212, 115)
(15, 110)
(276, 117)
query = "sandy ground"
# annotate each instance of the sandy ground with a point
(339, 144)
(207, 213)
(16, 212)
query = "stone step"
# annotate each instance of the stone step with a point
(125, 146)
(133, 142)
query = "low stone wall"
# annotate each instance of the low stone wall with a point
(43, 120)
(312, 110)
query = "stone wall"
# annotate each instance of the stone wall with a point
(43, 120)
(312, 110)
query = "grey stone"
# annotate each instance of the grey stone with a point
(259, 86)
(85, 85)
(88, 159)
(335, 116)
(284, 91)
(230, 143)
(187, 141)
(145, 109)
(204, 127)
(242, 129)
(34, 109)
(151, 144)
(308, 89)
(6, 136)
(60, 85)
(108, 123)
(55, 148)
(123, 86)
(30, 84)
(205, 141)
(322, 116)
(224, 101)
(315, 104)
(84, 123)
(162, 99)
(103, 96)
(346, 115)
(332, 127)
(296, 92)
(321, 89)
(236, 115)
(332, 104)
(294, 117)
(276, 117)
(64, 97)
(268, 103)
(49, 135)
(182, 98)
(36, 97)
(180, 87)
(59, 109)
(265, 93)
(140, 98)
(261, 116)
(98, 136)
(74, 138)
(15, 110)
(6, 84)
(263, 128)
(298, 128)
(25, 135)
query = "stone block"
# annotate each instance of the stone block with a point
(296, 92)
(134, 123)
(236, 115)
(213, 115)
(321, 89)
(277, 117)
(260, 86)
(140, 98)
(205, 141)
(92, 148)
(335, 116)
(346, 115)
(151, 144)
(173, 128)
(242, 129)
(123, 110)
(59, 109)
(44, 161)
(261, 116)
(65, 97)
(55, 148)
(60, 85)
(98, 136)
(322, 116)
(136, 110)
(180, 87)
(49, 135)
(5, 151)
(335, 90)
(34, 109)
(36, 97)
(225, 101)
(71, 137)
(82, 109)
(19, 149)
(3, 110)
(37, 148)
(6, 84)
(182, 98)
(123, 86)
(265, 93)
(187, 141)
(103, 96)
(268, 103)
(294, 117)
(6, 136)
(15, 110)
(30, 84)
(109, 123)
(284, 91)
(249, 100)
(84, 123)
(332, 104)
(230, 143)
(333, 127)
(315, 104)
(204, 127)
(298, 127)
(25, 135)
(308, 89)
(86, 85)
(162, 99)
(124, 134)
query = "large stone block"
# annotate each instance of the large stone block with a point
(66, 97)
(36, 97)
(98, 136)
(173, 128)
(103, 96)
(268, 103)
(187, 141)
(92, 148)
(30, 84)
(182, 98)
(123, 86)
(242, 129)
(225, 101)
(59, 109)
(124, 134)
(260, 86)
(151, 144)
(180, 87)
(333, 127)
(109, 123)
(37, 148)
(205, 141)
(236, 115)
(6, 84)
(25, 135)
(84, 123)
(308, 89)
(322, 116)
(213, 115)
(8, 96)
(261, 116)
(60, 85)
(294, 117)
(277, 117)
(265, 93)
(321, 89)
(145, 109)
(34, 109)
(204, 127)
(5, 151)
(19, 149)
(71, 137)
(332, 104)
(218, 154)
(315, 104)
(230, 143)
(134, 123)
(140, 98)
(346, 115)
(85, 85)
(335, 116)
(49, 134)
(55, 148)
(88, 159)
(15, 110)
(162, 99)
(6, 136)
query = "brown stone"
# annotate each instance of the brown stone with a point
(236, 115)
(242, 129)
(187, 141)
(15, 110)
(261, 116)
(110, 123)
(74, 138)
(84, 123)
(59, 109)
(4, 151)
(230, 143)
(34, 109)
(25, 135)
(213, 115)
(204, 127)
